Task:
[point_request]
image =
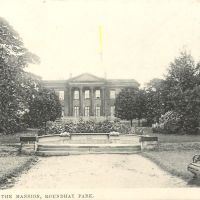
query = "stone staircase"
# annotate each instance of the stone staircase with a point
(78, 149)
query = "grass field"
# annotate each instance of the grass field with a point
(175, 162)
(175, 138)
(175, 153)
(11, 166)
(11, 163)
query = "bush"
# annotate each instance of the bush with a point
(11, 126)
(169, 123)
(83, 126)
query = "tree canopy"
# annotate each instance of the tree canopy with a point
(43, 106)
(178, 92)
(130, 104)
(17, 87)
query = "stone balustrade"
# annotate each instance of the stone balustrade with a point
(148, 142)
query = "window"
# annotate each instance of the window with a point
(87, 94)
(97, 111)
(97, 94)
(112, 94)
(76, 94)
(87, 111)
(61, 95)
(76, 111)
(112, 111)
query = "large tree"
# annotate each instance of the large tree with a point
(130, 104)
(13, 58)
(155, 97)
(43, 106)
(182, 84)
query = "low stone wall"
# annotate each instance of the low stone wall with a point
(76, 138)
(148, 143)
(57, 139)
(88, 138)
(29, 145)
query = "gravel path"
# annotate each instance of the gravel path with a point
(96, 171)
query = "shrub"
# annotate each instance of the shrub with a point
(83, 126)
(170, 123)
(12, 126)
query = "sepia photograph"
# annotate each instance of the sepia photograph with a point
(99, 99)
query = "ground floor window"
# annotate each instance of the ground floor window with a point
(87, 111)
(112, 111)
(76, 111)
(97, 111)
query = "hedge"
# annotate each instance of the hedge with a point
(82, 126)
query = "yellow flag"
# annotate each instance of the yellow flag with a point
(100, 39)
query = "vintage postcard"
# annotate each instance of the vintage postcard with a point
(99, 99)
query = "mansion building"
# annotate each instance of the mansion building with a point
(88, 95)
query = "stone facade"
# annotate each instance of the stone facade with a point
(88, 95)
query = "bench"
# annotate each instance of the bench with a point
(28, 139)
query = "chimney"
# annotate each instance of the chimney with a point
(70, 75)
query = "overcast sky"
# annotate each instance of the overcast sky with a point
(140, 38)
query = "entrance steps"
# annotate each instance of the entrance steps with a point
(77, 149)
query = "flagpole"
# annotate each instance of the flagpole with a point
(100, 44)
(101, 47)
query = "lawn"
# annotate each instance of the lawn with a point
(175, 162)
(175, 153)
(11, 166)
(11, 163)
(175, 138)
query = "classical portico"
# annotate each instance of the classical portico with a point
(87, 95)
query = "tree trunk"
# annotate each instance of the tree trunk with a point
(45, 127)
(139, 122)
(131, 123)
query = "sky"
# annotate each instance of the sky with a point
(139, 37)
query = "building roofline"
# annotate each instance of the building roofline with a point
(75, 77)
(109, 81)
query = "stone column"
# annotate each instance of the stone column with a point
(66, 101)
(103, 101)
(81, 100)
(70, 103)
(92, 101)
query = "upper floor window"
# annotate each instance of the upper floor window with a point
(112, 94)
(76, 94)
(97, 94)
(87, 94)
(61, 95)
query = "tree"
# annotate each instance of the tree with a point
(182, 82)
(13, 58)
(130, 104)
(155, 98)
(140, 105)
(43, 106)
(182, 72)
